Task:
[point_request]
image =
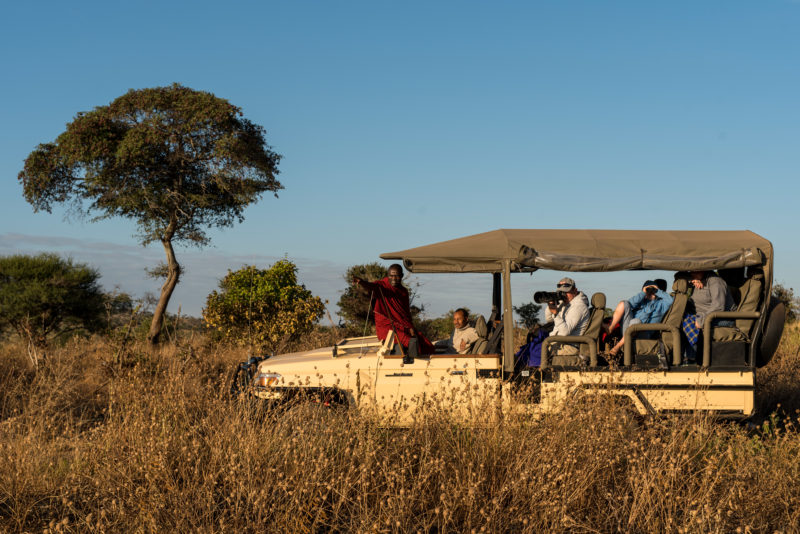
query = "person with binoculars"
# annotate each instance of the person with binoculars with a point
(648, 306)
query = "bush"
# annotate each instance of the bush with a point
(43, 296)
(262, 308)
(792, 303)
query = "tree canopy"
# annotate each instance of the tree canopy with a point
(263, 308)
(354, 305)
(528, 314)
(44, 295)
(175, 160)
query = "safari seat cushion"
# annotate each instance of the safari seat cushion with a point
(595, 323)
(750, 293)
(480, 327)
(599, 301)
(479, 346)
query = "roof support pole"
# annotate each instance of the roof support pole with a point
(508, 321)
(496, 292)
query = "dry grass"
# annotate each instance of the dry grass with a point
(153, 444)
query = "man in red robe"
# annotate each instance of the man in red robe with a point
(390, 292)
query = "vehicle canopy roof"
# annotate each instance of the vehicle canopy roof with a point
(590, 250)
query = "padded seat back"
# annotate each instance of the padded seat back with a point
(734, 278)
(674, 315)
(750, 297)
(594, 326)
(495, 338)
(480, 327)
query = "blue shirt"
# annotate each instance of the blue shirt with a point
(650, 311)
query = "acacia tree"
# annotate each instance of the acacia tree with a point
(528, 314)
(175, 160)
(44, 295)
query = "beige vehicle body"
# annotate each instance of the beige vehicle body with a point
(370, 374)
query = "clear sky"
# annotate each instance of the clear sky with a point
(407, 123)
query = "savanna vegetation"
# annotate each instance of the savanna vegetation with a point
(263, 309)
(174, 160)
(106, 437)
(114, 432)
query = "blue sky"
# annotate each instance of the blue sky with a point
(403, 124)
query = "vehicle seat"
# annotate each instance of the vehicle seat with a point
(496, 337)
(480, 345)
(735, 279)
(492, 321)
(749, 299)
(729, 344)
(594, 326)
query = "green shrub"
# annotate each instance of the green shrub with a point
(262, 308)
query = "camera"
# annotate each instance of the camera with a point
(542, 297)
(650, 290)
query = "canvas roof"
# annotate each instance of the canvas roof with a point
(590, 250)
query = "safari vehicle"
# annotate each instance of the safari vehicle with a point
(651, 378)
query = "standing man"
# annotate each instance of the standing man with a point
(393, 309)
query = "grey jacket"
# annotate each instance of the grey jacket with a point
(571, 319)
(715, 296)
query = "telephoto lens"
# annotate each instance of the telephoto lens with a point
(542, 297)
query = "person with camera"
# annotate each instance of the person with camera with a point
(568, 309)
(648, 306)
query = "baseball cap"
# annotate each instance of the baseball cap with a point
(565, 284)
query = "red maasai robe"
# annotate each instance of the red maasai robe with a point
(400, 309)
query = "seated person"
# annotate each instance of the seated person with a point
(647, 307)
(570, 317)
(710, 293)
(464, 336)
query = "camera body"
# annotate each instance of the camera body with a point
(650, 290)
(543, 297)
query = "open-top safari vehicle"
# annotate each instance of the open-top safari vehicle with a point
(366, 372)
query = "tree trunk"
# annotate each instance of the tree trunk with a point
(173, 274)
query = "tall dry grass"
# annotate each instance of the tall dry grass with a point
(151, 443)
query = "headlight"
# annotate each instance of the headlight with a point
(265, 380)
